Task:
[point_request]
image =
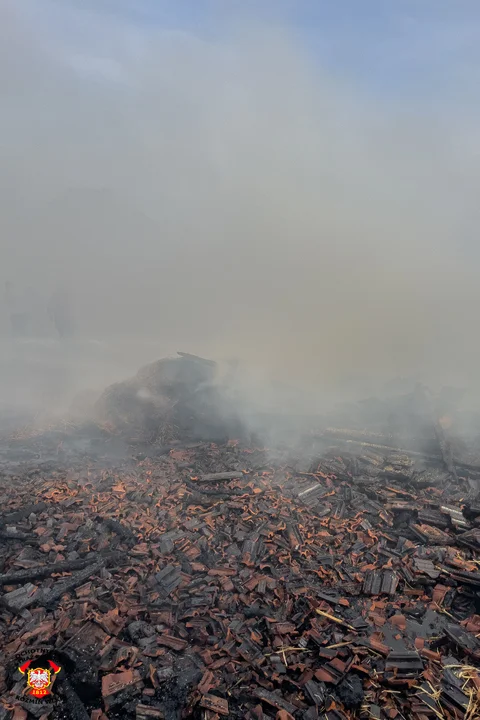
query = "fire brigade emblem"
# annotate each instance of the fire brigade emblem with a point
(39, 679)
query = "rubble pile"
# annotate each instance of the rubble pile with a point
(169, 399)
(220, 580)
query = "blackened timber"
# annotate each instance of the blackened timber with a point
(360, 435)
(314, 491)
(219, 477)
(117, 528)
(393, 449)
(27, 539)
(196, 488)
(43, 571)
(24, 512)
(19, 599)
(332, 599)
(471, 539)
(50, 596)
(346, 440)
(465, 578)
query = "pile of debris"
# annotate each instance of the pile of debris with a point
(219, 581)
(169, 399)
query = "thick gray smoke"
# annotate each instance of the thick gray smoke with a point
(232, 198)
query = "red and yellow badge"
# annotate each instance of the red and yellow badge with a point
(39, 679)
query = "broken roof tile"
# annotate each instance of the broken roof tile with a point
(248, 589)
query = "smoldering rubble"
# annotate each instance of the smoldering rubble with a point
(176, 576)
(168, 399)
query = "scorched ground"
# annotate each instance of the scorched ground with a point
(223, 580)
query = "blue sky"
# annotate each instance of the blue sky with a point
(411, 48)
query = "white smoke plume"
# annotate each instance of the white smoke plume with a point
(232, 196)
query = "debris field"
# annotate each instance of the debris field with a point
(213, 581)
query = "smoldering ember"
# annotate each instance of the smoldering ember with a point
(178, 566)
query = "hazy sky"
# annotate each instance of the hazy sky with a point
(292, 182)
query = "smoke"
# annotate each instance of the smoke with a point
(233, 197)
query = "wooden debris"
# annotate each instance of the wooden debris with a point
(219, 477)
(330, 585)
